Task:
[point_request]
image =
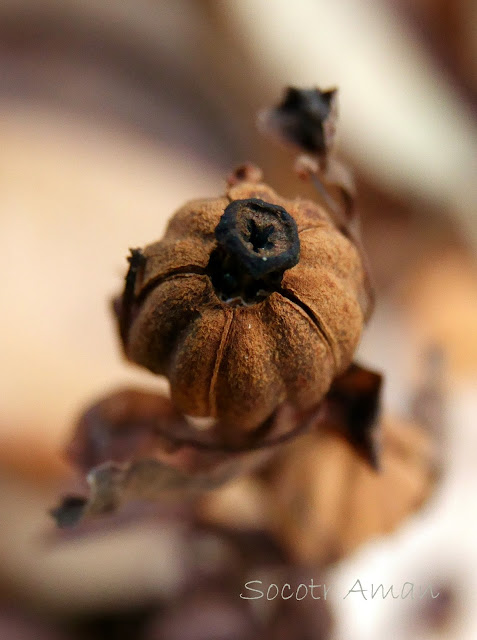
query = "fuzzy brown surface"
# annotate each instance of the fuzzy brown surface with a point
(238, 363)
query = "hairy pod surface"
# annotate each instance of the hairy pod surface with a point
(247, 301)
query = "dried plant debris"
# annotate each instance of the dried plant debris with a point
(205, 601)
(134, 445)
(252, 306)
(211, 566)
(305, 119)
(328, 501)
(352, 407)
(248, 301)
(112, 486)
(321, 496)
(131, 424)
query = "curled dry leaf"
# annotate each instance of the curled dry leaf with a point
(111, 486)
(130, 425)
(134, 445)
(322, 500)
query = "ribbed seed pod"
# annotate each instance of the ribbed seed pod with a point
(248, 300)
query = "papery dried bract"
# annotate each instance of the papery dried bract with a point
(305, 119)
(328, 501)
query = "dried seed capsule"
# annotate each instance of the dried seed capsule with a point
(248, 300)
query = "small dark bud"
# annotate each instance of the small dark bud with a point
(306, 118)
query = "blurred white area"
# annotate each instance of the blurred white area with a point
(73, 199)
(385, 347)
(400, 120)
(436, 547)
(87, 574)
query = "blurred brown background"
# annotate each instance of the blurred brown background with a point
(114, 114)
